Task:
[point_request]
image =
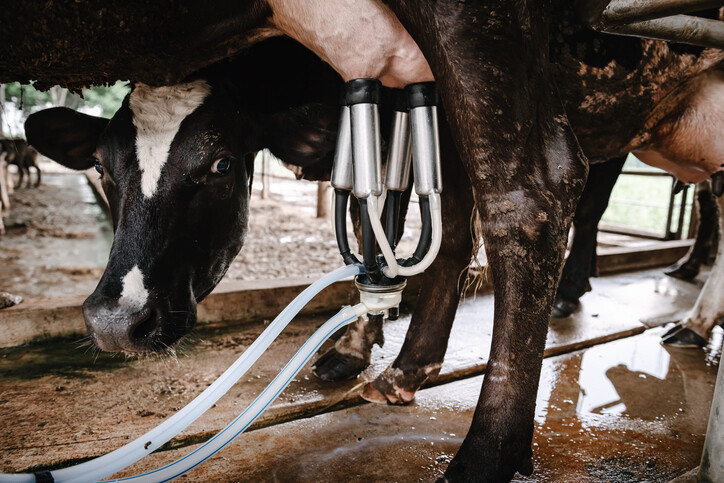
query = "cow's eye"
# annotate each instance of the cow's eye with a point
(99, 168)
(221, 166)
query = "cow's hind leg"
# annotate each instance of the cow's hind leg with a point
(688, 267)
(526, 170)
(708, 310)
(29, 183)
(581, 263)
(21, 175)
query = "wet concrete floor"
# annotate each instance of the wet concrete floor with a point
(628, 410)
(623, 410)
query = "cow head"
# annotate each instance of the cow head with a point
(176, 166)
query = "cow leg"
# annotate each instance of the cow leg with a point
(8, 179)
(29, 183)
(527, 171)
(21, 174)
(427, 337)
(688, 267)
(708, 310)
(4, 200)
(37, 170)
(581, 263)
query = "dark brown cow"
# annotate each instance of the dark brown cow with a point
(516, 80)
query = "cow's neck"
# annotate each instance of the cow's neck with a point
(358, 38)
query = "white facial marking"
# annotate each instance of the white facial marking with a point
(134, 294)
(157, 115)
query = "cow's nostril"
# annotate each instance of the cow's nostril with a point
(146, 326)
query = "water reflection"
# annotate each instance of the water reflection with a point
(628, 381)
(627, 410)
(622, 380)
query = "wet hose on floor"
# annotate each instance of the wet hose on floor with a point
(103, 466)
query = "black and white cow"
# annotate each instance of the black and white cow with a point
(176, 165)
(23, 156)
(175, 174)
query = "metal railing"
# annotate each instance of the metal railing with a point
(656, 19)
(670, 232)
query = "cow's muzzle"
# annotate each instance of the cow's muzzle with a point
(152, 328)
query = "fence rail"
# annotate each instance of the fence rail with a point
(670, 232)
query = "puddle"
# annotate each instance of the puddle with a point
(628, 410)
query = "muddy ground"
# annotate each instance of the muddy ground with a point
(58, 237)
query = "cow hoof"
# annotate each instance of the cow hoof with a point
(686, 271)
(333, 366)
(454, 477)
(8, 300)
(680, 336)
(462, 469)
(398, 387)
(563, 308)
(395, 396)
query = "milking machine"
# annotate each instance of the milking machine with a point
(380, 280)
(357, 169)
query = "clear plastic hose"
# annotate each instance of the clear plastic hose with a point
(124, 456)
(246, 418)
(436, 212)
(392, 267)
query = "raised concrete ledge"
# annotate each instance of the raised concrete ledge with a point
(655, 254)
(255, 300)
(232, 302)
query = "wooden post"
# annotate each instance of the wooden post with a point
(323, 199)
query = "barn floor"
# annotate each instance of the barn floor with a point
(613, 405)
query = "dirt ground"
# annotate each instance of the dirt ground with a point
(58, 237)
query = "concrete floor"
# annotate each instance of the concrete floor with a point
(613, 404)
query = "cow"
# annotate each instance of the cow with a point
(23, 156)
(703, 248)
(581, 262)
(708, 311)
(174, 171)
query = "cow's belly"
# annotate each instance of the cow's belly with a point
(358, 38)
(690, 145)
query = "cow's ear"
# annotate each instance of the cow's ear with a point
(302, 136)
(65, 135)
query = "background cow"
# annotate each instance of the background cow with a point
(19, 153)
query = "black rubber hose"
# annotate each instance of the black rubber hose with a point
(717, 183)
(369, 246)
(340, 226)
(423, 246)
(392, 222)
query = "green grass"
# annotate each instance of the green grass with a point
(650, 197)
